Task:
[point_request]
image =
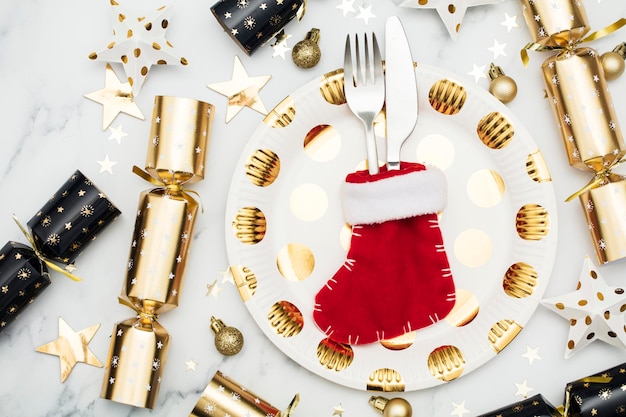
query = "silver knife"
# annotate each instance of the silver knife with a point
(400, 90)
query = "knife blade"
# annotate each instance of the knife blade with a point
(401, 90)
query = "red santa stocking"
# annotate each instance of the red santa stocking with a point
(396, 278)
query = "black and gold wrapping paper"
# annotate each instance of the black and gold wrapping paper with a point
(598, 395)
(71, 219)
(22, 278)
(252, 23)
(59, 232)
(225, 397)
(162, 236)
(535, 406)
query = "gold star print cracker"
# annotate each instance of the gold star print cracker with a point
(242, 91)
(72, 347)
(138, 43)
(593, 311)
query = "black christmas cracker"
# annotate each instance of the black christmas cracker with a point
(599, 395)
(535, 406)
(59, 232)
(252, 23)
(166, 215)
(576, 87)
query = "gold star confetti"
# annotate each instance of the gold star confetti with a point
(242, 91)
(138, 43)
(459, 409)
(523, 389)
(106, 165)
(213, 289)
(280, 46)
(338, 410)
(593, 311)
(71, 347)
(227, 276)
(451, 12)
(531, 354)
(116, 97)
(117, 134)
(190, 365)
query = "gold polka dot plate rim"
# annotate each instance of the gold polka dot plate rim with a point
(285, 233)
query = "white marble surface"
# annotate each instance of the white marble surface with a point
(49, 129)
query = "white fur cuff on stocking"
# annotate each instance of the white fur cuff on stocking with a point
(397, 197)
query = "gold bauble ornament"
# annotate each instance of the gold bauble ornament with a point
(395, 407)
(613, 62)
(502, 87)
(307, 53)
(228, 340)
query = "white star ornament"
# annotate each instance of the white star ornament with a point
(594, 311)
(451, 12)
(138, 43)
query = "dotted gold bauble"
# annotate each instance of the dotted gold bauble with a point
(395, 407)
(307, 53)
(613, 62)
(228, 340)
(502, 87)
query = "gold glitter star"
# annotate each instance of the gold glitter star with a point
(71, 347)
(116, 97)
(242, 91)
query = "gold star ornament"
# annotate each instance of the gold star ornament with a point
(116, 97)
(451, 12)
(594, 311)
(72, 347)
(242, 91)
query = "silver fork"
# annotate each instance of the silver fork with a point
(364, 88)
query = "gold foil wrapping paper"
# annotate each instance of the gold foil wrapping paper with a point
(555, 22)
(159, 250)
(179, 137)
(224, 397)
(582, 104)
(583, 108)
(605, 210)
(136, 360)
(158, 253)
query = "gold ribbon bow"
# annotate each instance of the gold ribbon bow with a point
(599, 178)
(171, 186)
(40, 255)
(533, 46)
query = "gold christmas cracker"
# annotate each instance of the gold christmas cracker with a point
(225, 397)
(583, 108)
(163, 231)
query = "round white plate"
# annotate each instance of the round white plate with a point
(286, 237)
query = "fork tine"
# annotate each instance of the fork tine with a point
(359, 68)
(348, 74)
(378, 68)
(367, 71)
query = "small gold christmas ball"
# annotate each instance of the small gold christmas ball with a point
(307, 53)
(613, 64)
(504, 88)
(228, 341)
(398, 407)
